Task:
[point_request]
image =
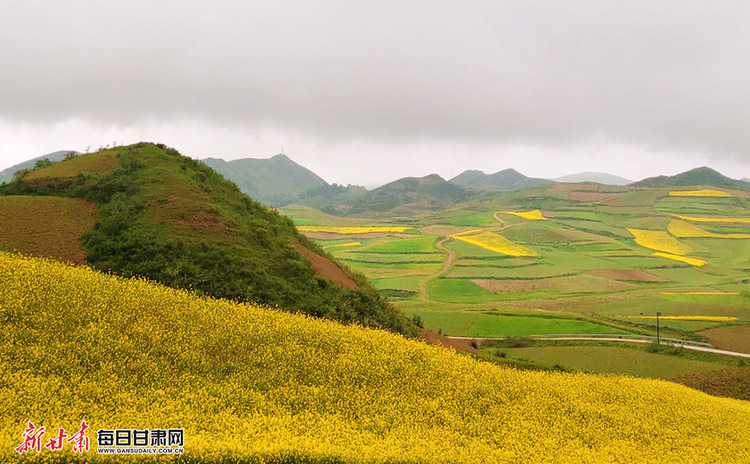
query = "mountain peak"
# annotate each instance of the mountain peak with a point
(507, 180)
(275, 181)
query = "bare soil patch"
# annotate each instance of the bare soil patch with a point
(566, 187)
(325, 268)
(633, 275)
(49, 227)
(439, 340)
(731, 383)
(732, 338)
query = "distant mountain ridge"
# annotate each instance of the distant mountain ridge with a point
(603, 178)
(275, 181)
(507, 180)
(411, 194)
(6, 175)
(698, 176)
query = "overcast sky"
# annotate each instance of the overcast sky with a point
(365, 92)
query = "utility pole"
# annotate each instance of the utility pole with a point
(658, 329)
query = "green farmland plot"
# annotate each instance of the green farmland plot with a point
(490, 325)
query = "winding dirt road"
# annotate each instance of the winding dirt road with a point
(446, 266)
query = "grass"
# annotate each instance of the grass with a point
(599, 359)
(458, 291)
(484, 324)
(99, 163)
(424, 244)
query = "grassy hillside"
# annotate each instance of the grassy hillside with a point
(257, 385)
(176, 221)
(507, 180)
(697, 176)
(274, 181)
(6, 175)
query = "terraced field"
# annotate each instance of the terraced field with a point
(615, 257)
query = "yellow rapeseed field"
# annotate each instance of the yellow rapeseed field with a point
(699, 193)
(697, 262)
(715, 219)
(534, 215)
(660, 240)
(682, 229)
(351, 230)
(250, 384)
(494, 242)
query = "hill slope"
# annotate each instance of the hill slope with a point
(6, 175)
(698, 176)
(411, 194)
(507, 180)
(174, 220)
(248, 383)
(275, 181)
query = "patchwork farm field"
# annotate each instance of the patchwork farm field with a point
(613, 256)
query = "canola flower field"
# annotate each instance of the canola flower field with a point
(682, 229)
(494, 242)
(700, 193)
(660, 240)
(353, 230)
(715, 219)
(697, 262)
(252, 384)
(534, 215)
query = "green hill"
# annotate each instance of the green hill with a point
(275, 181)
(411, 194)
(507, 180)
(698, 176)
(6, 175)
(169, 218)
(249, 384)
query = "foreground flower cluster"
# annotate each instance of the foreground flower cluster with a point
(255, 384)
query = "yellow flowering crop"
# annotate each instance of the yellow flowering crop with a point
(713, 219)
(251, 384)
(660, 240)
(684, 259)
(497, 243)
(699, 193)
(682, 229)
(350, 230)
(534, 215)
(690, 318)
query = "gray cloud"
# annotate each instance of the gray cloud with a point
(666, 74)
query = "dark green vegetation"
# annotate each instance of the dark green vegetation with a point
(697, 176)
(506, 180)
(174, 220)
(275, 181)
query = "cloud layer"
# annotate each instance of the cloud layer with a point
(669, 76)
